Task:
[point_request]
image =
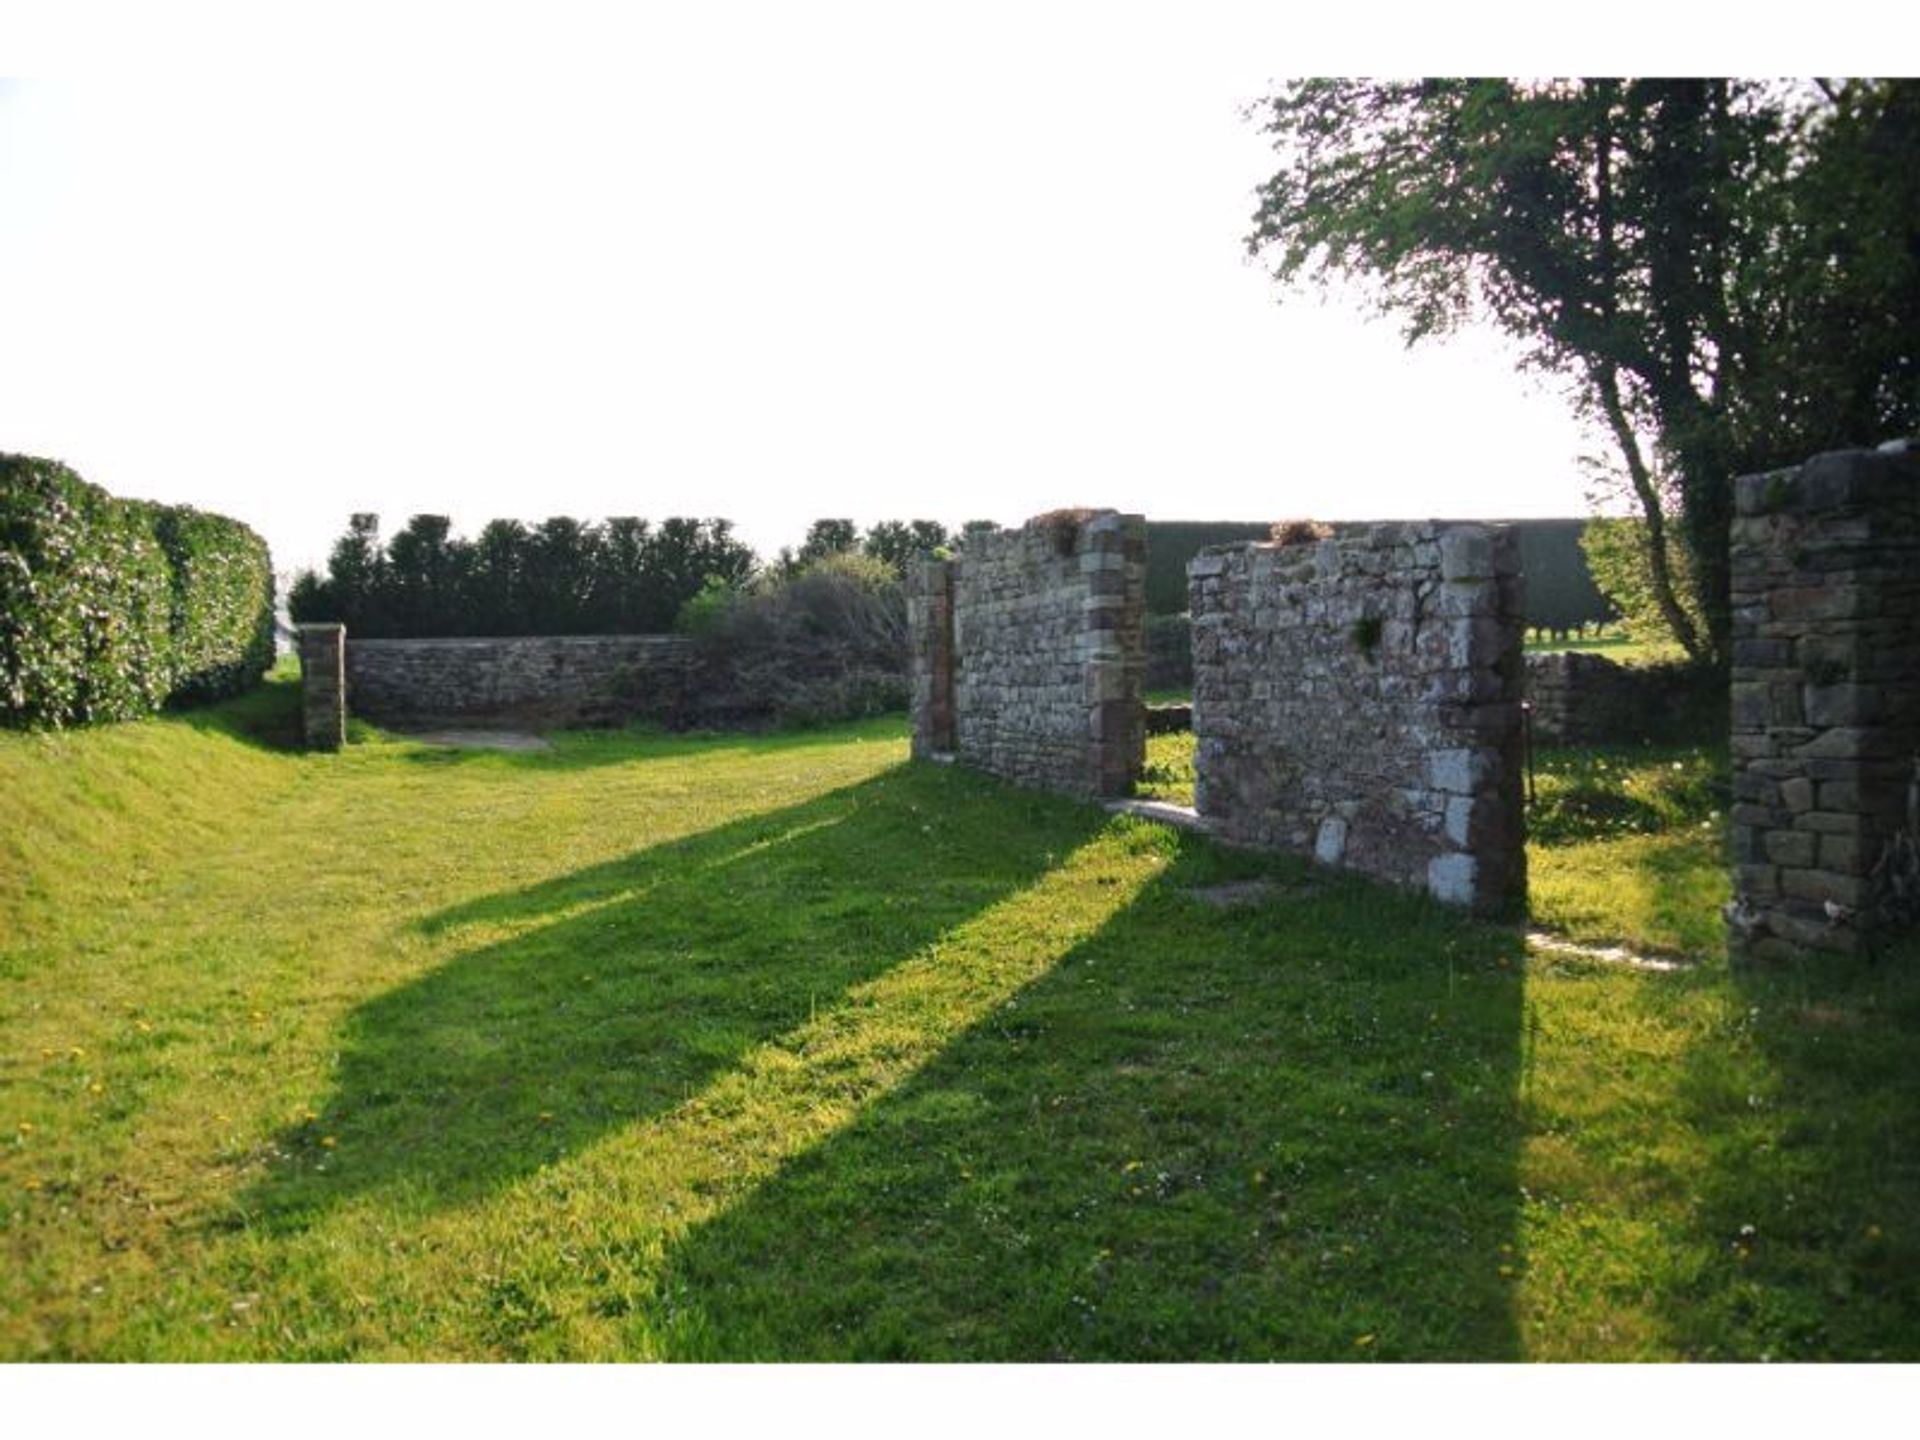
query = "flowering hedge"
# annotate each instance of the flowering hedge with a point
(110, 608)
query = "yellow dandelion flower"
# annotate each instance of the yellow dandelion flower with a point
(26, 1127)
(327, 1142)
(76, 1053)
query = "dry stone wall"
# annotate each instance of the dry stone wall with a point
(1029, 651)
(1580, 699)
(1358, 700)
(1825, 703)
(534, 681)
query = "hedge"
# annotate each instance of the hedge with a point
(111, 608)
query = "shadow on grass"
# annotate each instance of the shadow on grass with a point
(620, 990)
(587, 749)
(267, 716)
(1285, 1131)
(1806, 1219)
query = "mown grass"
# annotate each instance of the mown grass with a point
(1613, 645)
(685, 1048)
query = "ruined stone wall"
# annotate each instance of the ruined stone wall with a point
(1581, 699)
(1358, 700)
(534, 681)
(1825, 702)
(323, 686)
(1041, 656)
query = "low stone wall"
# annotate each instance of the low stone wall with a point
(323, 686)
(1029, 651)
(537, 682)
(1358, 700)
(1825, 703)
(1581, 699)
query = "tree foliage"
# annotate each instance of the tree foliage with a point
(560, 577)
(1618, 554)
(1726, 272)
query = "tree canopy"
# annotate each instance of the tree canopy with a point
(1726, 272)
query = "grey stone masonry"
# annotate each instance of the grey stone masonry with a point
(1029, 650)
(323, 686)
(930, 623)
(1582, 699)
(1825, 702)
(533, 682)
(1358, 700)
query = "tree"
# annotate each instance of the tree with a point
(1621, 561)
(1689, 255)
(899, 543)
(827, 537)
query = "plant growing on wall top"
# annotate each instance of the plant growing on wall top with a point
(1062, 527)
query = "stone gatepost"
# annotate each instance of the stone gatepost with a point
(1825, 704)
(930, 636)
(1113, 568)
(323, 685)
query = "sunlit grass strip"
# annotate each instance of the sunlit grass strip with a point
(618, 1205)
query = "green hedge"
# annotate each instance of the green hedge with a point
(111, 608)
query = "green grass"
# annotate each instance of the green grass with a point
(1628, 844)
(1614, 645)
(722, 1048)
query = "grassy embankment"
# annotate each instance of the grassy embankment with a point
(707, 1048)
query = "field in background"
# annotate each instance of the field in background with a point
(657, 1047)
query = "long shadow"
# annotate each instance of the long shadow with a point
(622, 988)
(1288, 1131)
(1807, 1215)
(587, 749)
(266, 717)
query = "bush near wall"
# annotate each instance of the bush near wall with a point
(827, 642)
(110, 608)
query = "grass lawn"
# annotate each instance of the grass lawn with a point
(725, 1048)
(1613, 646)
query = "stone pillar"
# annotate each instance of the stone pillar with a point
(1825, 703)
(1113, 568)
(323, 685)
(930, 635)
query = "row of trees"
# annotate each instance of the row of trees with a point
(562, 576)
(1726, 273)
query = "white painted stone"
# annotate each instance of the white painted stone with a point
(1331, 841)
(1450, 878)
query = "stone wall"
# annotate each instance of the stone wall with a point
(1358, 700)
(1825, 702)
(1582, 699)
(537, 682)
(1035, 639)
(323, 686)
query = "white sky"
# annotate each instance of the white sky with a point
(770, 262)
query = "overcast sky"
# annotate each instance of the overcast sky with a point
(766, 262)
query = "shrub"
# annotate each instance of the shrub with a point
(827, 642)
(109, 608)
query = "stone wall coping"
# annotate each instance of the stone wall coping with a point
(457, 642)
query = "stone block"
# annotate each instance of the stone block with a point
(1452, 879)
(1790, 847)
(1466, 553)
